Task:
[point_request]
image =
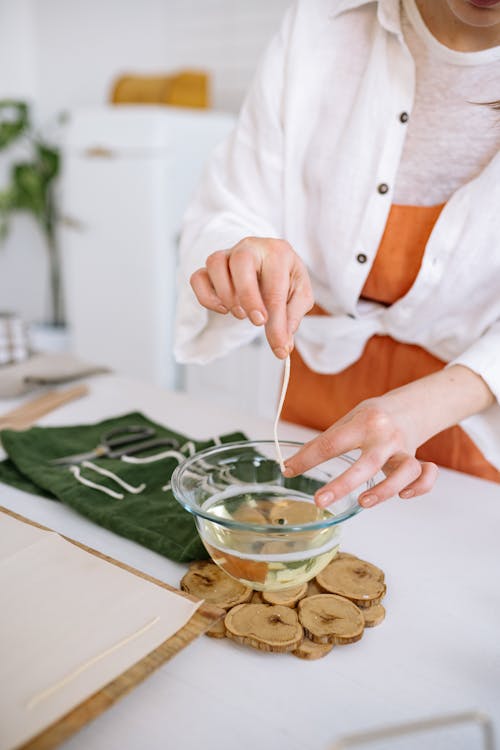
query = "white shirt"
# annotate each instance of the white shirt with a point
(451, 138)
(319, 132)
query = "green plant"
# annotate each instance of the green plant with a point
(31, 187)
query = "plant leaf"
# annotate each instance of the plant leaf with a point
(6, 199)
(28, 189)
(14, 120)
(48, 161)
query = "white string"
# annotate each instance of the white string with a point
(286, 378)
(86, 665)
(100, 487)
(151, 459)
(190, 446)
(115, 478)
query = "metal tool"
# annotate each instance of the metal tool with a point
(119, 442)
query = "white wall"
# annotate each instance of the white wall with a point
(83, 45)
(22, 259)
(17, 49)
(66, 53)
(225, 36)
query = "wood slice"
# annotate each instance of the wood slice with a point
(310, 650)
(328, 618)
(345, 555)
(218, 630)
(353, 579)
(264, 626)
(313, 589)
(257, 598)
(206, 580)
(373, 615)
(286, 597)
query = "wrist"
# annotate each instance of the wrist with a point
(438, 401)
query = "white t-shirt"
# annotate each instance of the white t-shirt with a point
(314, 159)
(451, 138)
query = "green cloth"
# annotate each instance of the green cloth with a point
(154, 518)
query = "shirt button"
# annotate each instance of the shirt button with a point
(361, 258)
(404, 117)
(383, 188)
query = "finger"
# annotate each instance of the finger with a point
(205, 293)
(218, 271)
(275, 286)
(334, 441)
(243, 271)
(299, 303)
(360, 472)
(423, 484)
(401, 470)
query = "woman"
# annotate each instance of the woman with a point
(364, 178)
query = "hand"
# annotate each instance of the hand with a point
(260, 279)
(387, 439)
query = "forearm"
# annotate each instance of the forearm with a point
(438, 401)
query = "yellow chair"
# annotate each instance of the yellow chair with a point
(187, 88)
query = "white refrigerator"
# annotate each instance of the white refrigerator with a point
(128, 174)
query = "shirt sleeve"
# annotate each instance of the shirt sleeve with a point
(240, 195)
(483, 357)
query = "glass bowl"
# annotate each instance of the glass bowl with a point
(258, 526)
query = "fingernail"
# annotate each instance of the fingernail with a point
(280, 352)
(222, 309)
(288, 472)
(407, 494)
(257, 318)
(325, 498)
(238, 312)
(368, 500)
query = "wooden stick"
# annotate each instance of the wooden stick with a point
(29, 413)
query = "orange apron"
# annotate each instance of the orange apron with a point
(316, 400)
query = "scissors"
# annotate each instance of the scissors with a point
(117, 443)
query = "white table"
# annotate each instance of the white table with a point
(437, 652)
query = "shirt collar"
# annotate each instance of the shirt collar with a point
(388, 11)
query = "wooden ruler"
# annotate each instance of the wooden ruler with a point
(29, 413)
(204, 617)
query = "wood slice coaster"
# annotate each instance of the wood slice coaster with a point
(268, 627)
(313, 588)
(354, 579)
(327, 618)
(218, 630)
(310, 650)
(373, 615)
(257, 598)
(207, 581)
(287, 597)
(307, 620)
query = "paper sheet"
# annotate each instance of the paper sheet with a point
(60, 607)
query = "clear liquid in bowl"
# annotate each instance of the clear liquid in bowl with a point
(264, 560)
